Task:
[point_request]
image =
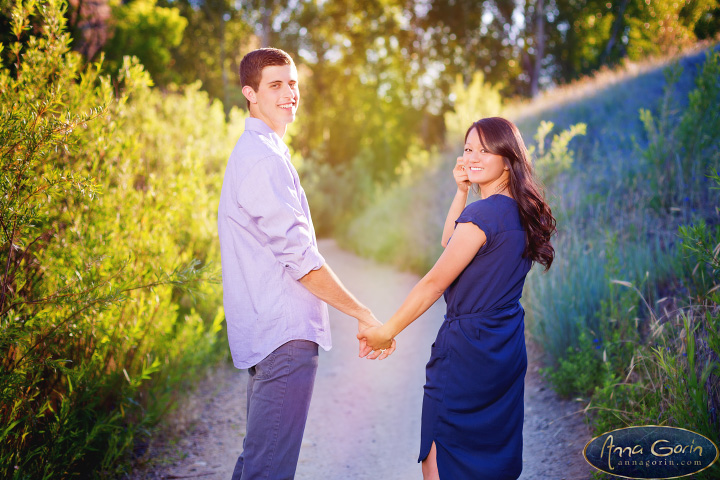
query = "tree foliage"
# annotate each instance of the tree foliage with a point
(148, 32)
(378, 76)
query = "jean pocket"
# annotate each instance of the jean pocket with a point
(264, 368)
(436, 373)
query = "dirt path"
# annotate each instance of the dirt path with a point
(364, 419)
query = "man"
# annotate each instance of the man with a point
(275, 282)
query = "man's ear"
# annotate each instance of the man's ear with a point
(249, 93)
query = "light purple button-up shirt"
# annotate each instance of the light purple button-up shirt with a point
(267, 243)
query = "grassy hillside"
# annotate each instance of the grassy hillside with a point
(628, 314)
(609, 105)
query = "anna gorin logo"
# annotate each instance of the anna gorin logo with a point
(651, 452)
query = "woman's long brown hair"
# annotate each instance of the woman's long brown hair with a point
(502, 137)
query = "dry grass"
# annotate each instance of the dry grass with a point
(603, 79)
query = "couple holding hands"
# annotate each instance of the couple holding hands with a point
(276, 288)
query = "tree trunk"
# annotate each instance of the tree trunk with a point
(266, 24)
(617, 25)
(223, 70)
(539, 47)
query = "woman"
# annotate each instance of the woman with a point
(472, 412)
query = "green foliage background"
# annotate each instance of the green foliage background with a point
(109, 255)
(377, 76)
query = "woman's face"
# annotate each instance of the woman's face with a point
(481, 166)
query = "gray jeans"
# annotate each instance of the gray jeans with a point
(278, 399)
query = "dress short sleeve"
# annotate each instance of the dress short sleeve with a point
(483, 214)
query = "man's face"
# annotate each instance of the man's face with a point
(277, 98)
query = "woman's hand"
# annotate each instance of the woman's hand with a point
(460, 175)
(379, 340)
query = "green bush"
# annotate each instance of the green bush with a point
(558, 158)
(580, 370)
(471, 103)
(141, 28)
(108, 295)
(681, 151)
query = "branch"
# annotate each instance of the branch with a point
(26, 252)
(3, 293)
(94, 302)
(57, 296)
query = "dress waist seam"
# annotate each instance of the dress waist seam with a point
(486, 313)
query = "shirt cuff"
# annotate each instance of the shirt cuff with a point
(311, 260)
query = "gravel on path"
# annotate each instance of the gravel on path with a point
(364, 420)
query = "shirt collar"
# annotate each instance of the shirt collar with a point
(257, 125)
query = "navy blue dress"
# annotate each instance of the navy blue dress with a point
(473, 401)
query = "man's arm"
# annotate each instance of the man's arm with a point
(268, 198)
(324, 284)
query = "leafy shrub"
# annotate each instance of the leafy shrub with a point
(106, 216)
(580, 370)
(680, 152)
(471, 103)
(557, 159)
(147, 31)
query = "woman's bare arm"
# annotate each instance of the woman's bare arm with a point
(467, 240)
(458, 203)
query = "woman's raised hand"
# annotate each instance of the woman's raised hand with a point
(460, 175)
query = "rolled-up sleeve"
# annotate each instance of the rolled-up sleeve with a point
(268, 195)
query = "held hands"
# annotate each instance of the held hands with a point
(375, 348)
(379, 343)
(460, 175)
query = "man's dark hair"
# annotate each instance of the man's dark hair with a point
(252, 65)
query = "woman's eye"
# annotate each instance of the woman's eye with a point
(468, 150)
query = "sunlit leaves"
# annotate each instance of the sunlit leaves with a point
(107, 252)
(147, 31)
